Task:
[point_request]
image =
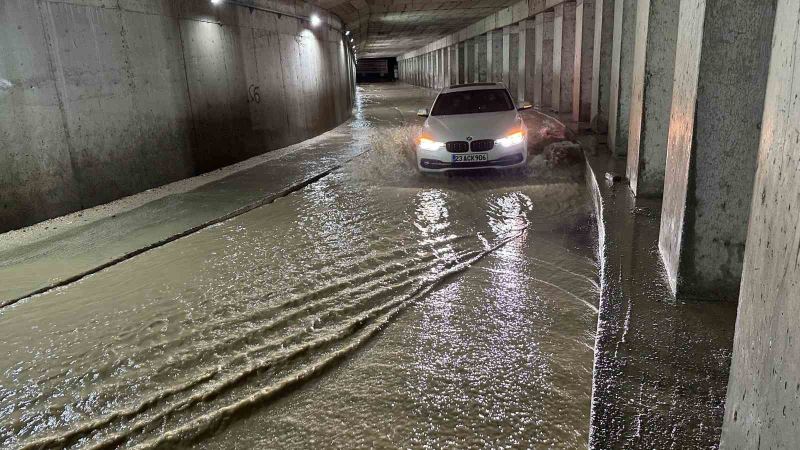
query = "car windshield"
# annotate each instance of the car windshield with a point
(472, 102)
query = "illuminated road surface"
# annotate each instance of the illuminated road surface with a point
(372, 308)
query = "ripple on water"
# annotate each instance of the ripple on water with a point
(483, 279)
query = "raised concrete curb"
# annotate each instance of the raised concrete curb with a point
(661, 365)
(189, 215)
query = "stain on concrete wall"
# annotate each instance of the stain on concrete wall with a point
(763, 402)
(106, 100)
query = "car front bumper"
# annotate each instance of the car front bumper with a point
(498, 158)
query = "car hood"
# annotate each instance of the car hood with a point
(458, 127)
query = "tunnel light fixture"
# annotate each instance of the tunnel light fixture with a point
(315, 20)
(216, 2)
(347, 32)
(351, 39)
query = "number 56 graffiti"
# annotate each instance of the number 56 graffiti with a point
(253, 95)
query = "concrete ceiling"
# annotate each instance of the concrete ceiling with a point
(393, 27)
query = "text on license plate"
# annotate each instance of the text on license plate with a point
(470, 158)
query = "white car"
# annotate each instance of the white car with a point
(472, 126)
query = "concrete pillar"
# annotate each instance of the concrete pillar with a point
(459, 62)
(480, 59)
(419, 70)
(489, 55)
(651, 100)
(453, 54)
(529, 65)
(497, 56)
(762, 408)
(547, 59)
(621, 75)
(538, 67)
(469, 61)
(584, 53)
(424, 70)
(513, 74)
(523, 63)
(431, 69)
(563, 56)
(601, 64)
(443, 72)
(506, 77)
(721, 66)
(476, 62)
(437, 64)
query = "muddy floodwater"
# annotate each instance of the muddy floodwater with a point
(373, 308)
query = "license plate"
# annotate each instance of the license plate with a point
(470, 158)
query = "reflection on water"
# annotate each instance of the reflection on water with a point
(373, 308)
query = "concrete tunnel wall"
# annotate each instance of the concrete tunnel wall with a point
(101, 99)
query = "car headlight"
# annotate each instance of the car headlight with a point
(429, 144)
(512, 139)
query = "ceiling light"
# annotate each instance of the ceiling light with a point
(347, 33)
(216, 2)
(315, 20)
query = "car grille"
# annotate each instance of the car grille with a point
(483, 145)
(457, 146)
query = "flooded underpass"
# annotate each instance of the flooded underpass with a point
(374, 307)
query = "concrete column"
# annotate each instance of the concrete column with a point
(621, 75)
(469, 61)
(423, 59)
(584, 49)
(513, 74)
(762, 408)
(601, 64)
(547, 60)
(418, 65)
(563, 56)
(480, 59)
(506, 56)
(459, 62)
(529, 65)
(452, 52)
(443, 72)
(437, 67)
(489, 52)
(538, 68)
(651, 100)
(430, 69)
(497, 56)
(523, 64)
(721, 65)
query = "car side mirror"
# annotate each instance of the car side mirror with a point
(524, 106)
(422, 112)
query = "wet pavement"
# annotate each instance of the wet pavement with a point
(662, 363)
(373, 307)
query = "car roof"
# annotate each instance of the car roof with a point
(473, 87)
